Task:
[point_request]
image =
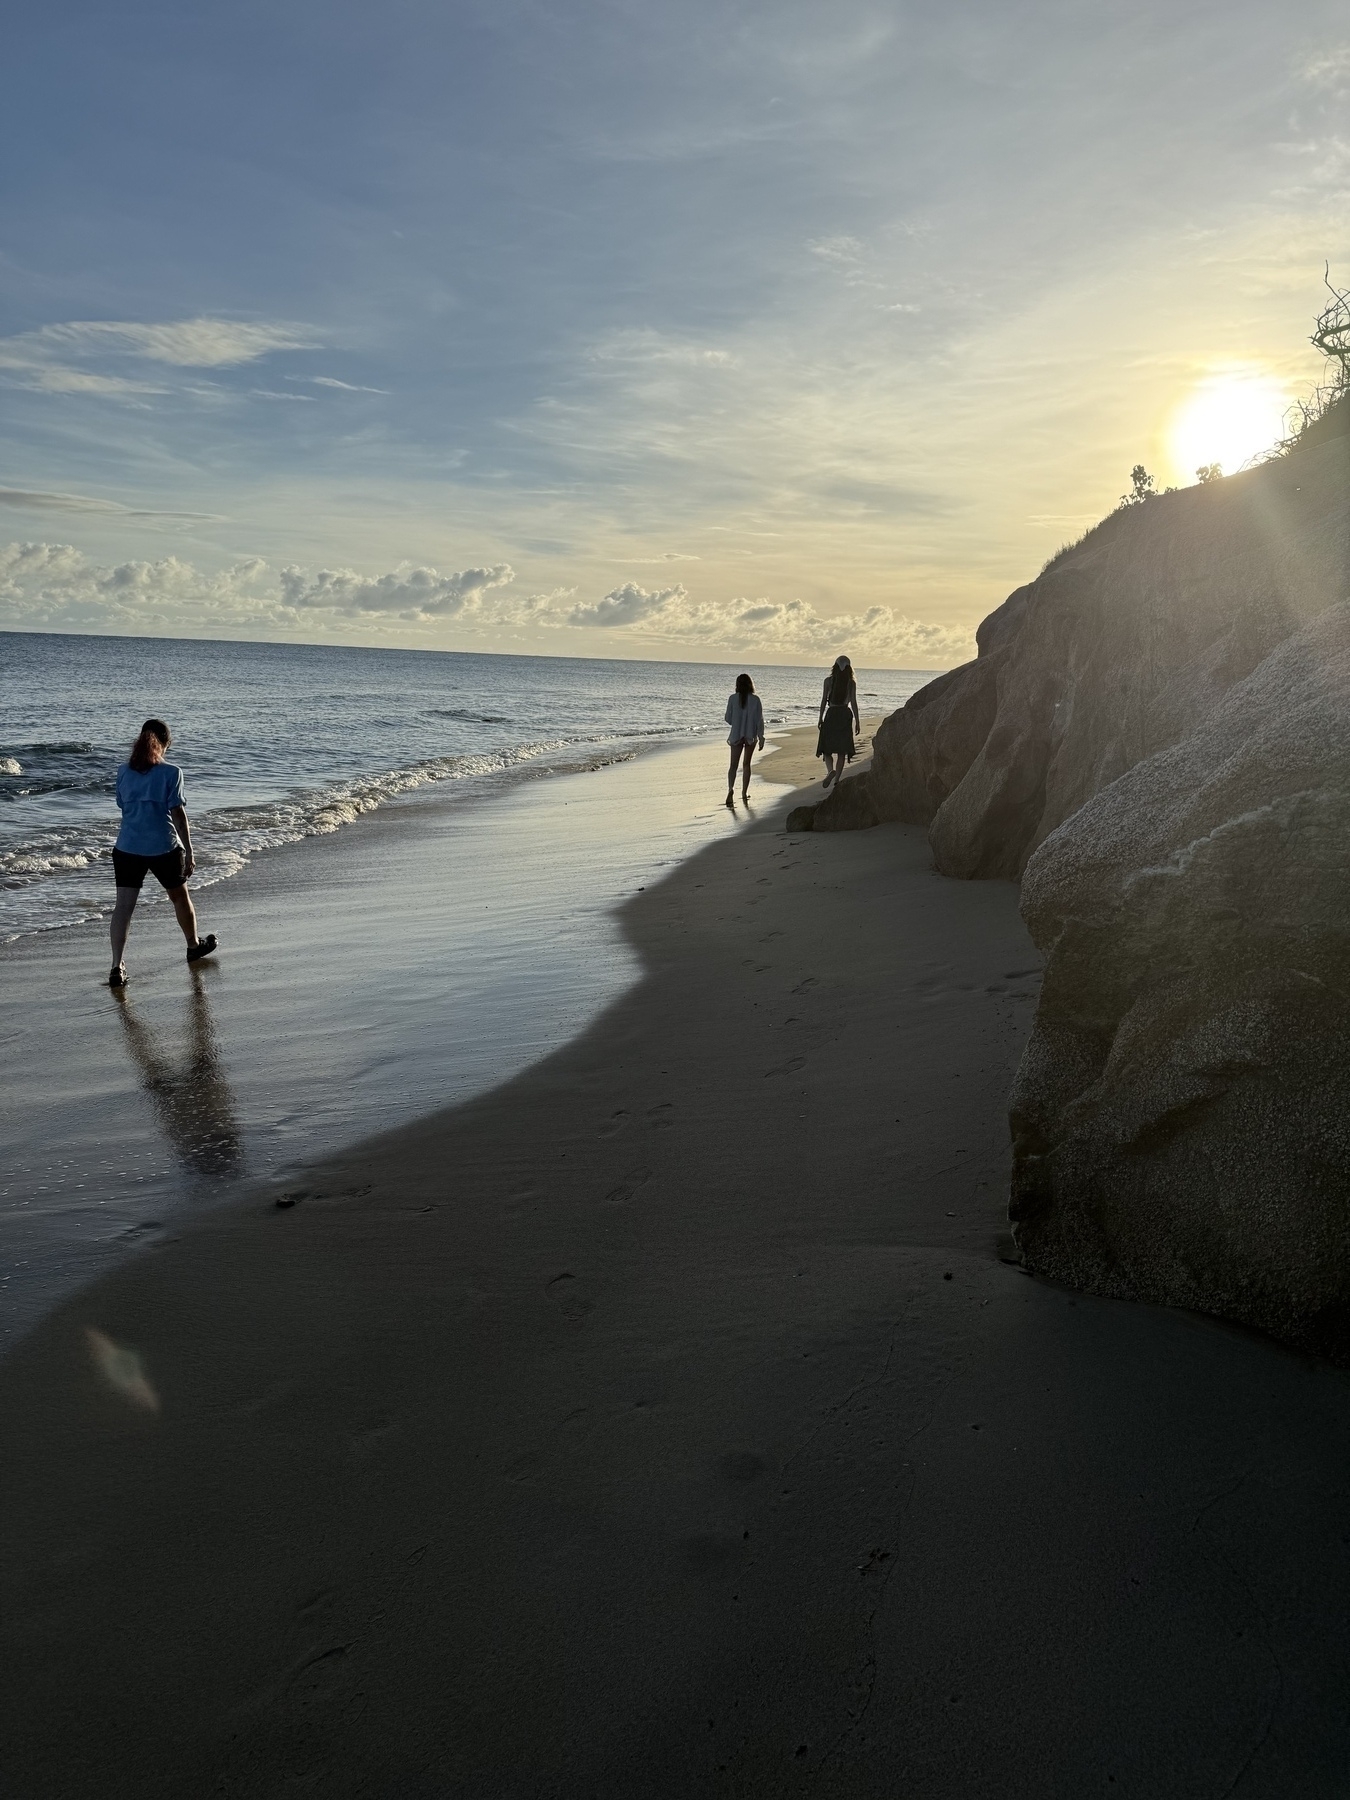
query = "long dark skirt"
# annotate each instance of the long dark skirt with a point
(836, 733)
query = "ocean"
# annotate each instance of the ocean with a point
(280, 742)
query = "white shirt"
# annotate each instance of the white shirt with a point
(746, 719)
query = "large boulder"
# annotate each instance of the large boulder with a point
(1181, 1119)
(1121, 646)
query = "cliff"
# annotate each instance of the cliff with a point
(1117, 650)
(1155, 735)
(1181, 1117)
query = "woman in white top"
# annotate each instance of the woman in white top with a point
(745, 715)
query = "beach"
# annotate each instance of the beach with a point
(671, 1417)
(413, 883)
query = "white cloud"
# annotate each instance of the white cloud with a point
(55, 585)
(643, 345)
(791, 627)
(348, 387)
(410, 592)
(628, 605)
(36, 500)
(843, 252)
(1329, 69)
(185, 343)
(50, 360)
(60, 380)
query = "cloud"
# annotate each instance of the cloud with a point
(411, 592)
(348, 387)
(49, 360)
(1329, 70)
(790, 627)
(56, 586)
(843, 252)
(643, 345)
(185, 343)
(627, 605)
(35, 500)
(59, 380)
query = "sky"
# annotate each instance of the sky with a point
(596, 327)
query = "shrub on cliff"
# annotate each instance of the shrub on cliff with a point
(1325, 413)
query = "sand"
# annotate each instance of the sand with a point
(354, 973)
(794, 763)
(666, 1421)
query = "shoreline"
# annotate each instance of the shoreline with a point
(360, 972)
(666, 1420)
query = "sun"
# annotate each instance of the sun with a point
(1229, 417)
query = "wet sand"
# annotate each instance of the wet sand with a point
(423, 954)
(666, 1421)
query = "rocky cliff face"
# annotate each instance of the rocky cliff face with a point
(1117, 650)
(1156, 735)
(1181, 1119)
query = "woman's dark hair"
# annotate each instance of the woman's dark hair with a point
(150, 746)
(744, 686)
(841, 679)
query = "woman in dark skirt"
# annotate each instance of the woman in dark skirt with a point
(838, 717)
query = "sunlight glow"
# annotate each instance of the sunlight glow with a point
(1228, 418)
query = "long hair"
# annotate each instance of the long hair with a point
(744, 686)
(841, 679)
(150, 746)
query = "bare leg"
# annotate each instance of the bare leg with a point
(187, 918)
(745, 775)
(121, 921)
(748, 749)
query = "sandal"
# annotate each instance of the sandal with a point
(203, 947)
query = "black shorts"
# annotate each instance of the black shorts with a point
(168, 870)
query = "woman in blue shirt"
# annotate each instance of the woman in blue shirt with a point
(154, 840)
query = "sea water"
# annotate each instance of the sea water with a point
(280, 742)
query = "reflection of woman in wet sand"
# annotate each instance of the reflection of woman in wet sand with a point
(190, 1094)
(838, 719)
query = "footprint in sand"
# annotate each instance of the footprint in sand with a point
(802, 986)
(614, 1123)
(790, 1067)
(568, 1295)
(624, 1192)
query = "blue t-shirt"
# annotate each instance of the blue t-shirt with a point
(145, 798)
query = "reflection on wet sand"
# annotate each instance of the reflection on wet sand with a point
(189, 1092)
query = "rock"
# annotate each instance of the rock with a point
(1122, 645)
(1181, 1118)
(848, 806)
